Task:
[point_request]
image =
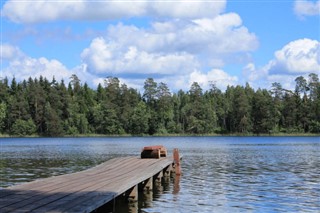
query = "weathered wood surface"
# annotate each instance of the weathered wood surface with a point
(83, 191)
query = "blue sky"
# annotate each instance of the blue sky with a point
(175, 42)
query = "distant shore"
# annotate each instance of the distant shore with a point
(171, 135)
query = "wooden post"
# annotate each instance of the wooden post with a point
(147, 199)
(133, 195)
(133, 207)
(176, 158)
(159, 153)
(167, 171)
(158, 177)
(173, 171)
(176, 186)
(148, 184)
(158, 181)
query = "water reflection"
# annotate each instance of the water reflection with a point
(220, 174)
(146, 198)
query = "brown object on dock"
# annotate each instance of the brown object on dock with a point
(154, 152)
(176, 158)
(87, 190)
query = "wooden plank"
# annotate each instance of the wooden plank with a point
(49, 184)
(59, 192)
(87, 200)
(99, 184)
(82, 191)
(114, 186)
(120, 183)
(52, 181)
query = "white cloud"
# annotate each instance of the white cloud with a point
(170, 47)
(250, 72)
(9, 52)
(196, 37)
(22, 66)
(172, 51)
(111, 58)
(44, 11)
(299, 56)
(217, 76)
(286, 81)
(306, 8)
(222, 34)
(31, 67)
(184, 81)
(187, 9)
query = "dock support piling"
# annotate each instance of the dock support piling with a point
(148, 184)
(147, 198)
(167, 171)
(176, 158)
(133, 194)
(158, 177)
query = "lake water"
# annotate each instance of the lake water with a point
(220, 174)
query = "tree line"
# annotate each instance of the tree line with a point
(50, 108)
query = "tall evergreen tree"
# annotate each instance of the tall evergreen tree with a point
(150, 91)
(164, 109)
(262, 112)
(242, 111)
(138, 121)
(54, 110)
(53, 123)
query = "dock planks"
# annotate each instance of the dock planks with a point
(83, 191)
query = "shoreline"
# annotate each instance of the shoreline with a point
(168, 135)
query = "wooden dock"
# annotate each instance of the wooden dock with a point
(87, 190)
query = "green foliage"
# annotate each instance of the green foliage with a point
(315, 127)
(3, 115)
(23, 127)
(262, 112)
(138, 121)
(38, 106)
(53, 123)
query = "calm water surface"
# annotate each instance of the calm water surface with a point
(220, 174)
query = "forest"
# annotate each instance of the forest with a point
(39, 107)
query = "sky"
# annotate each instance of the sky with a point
(177, 42)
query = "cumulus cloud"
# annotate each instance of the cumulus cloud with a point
(299, 56)
(9, 52)
(170, 50)
(170, 47)
(40, 66)
(251, 73)
(217, 76)
(103, 57)
(306, 8)
(44, 11)
(184, 38)
(22, 66)
(223, 34)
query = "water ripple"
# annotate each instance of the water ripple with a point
(220, 174)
